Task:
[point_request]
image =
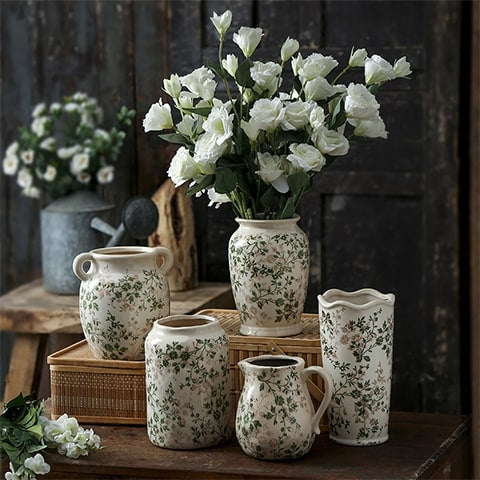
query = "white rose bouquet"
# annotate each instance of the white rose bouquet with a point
(64, 149)
(261, 147)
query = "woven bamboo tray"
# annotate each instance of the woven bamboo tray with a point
(113, 391)
(305, 345)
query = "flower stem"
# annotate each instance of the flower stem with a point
(345, 70)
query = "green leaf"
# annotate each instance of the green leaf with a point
(242, 75)
(206, 182)
(267, 198)
(202, 111)
(339, 116)
(289, 209)
(225, 180)
(174, 138)
(215, 67)
(298, 182)
(373, 89)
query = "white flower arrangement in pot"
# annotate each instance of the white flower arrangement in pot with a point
(64, 149)
(262, 147)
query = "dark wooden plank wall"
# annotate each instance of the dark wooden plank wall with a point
(385, 217)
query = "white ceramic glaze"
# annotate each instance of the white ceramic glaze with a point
(356, 333)
(121, 295)
(187, 380)
(269, 264)
(275, 418)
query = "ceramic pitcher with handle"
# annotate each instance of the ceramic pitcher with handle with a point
(123, 292)
(275, 417)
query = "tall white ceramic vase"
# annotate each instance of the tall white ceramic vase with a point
(356, 333)
(269, 264)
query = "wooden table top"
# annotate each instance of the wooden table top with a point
(418, 445)
(31, 309)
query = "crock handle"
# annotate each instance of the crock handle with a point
(327, 396)
(167, 259)
(78, 262)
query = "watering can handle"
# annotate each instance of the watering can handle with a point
(327, 396)
(78, 266)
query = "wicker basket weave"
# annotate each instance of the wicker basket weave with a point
(113, 391)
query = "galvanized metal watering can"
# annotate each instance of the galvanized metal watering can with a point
(73, 224)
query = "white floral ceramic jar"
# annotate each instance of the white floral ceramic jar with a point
(356, 334)
(124, 291)
(269, 264)
(187, 380)
(275, 418)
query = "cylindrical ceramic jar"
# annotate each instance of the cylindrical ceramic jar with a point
(121, 295)
(275, 418)
(356, 334)
(187, 380)
(269, 263)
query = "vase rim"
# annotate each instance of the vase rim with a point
(256, 362)
(121, 252)
(258, 221)
(355, 300)
(185, 323)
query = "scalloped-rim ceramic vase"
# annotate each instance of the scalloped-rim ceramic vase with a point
(187, 381)
(123, 292)
(356, 334)
(269, 263)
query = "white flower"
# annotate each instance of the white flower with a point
(83, 177)
(55, 108)
(230, 64)
(290, 47)
(222, 22)
(50, 173)
(317, 117)
(79, 96)
(297, 64)
(371, 128)
(39, 110)
(360, 103)
(67, 152)
(401, 68)
(172, 85)
(330, 142)
(318, 89)
(79, 162)
(72, 107)
(216, 198)
(305, 158)
(316, 65)
(31, 191)
(378, 70)
(27, 156)
(105, 174)
(190, 125)
(182, 167)
(247, 39)
(267, 113)
(100, 133)
(48, 144)
(266, 76)
(208, 150)
(10, 165)
(220, 124)
(24, 178)
(200, 82)
(357, 57)
(296, 115)
(37, 464)
(185, 100)
(271, 171)
(12, 149)
(39, 126)
(251, 129)
(158, 117)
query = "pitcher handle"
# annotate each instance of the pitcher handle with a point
(327, 396)
(77, 266)
(167, 259)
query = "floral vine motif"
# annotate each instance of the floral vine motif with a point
(275, 404)
(273, 267)
(362, 383)
(193, 406)
(132, 303)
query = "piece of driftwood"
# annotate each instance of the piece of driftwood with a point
(176, 231)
